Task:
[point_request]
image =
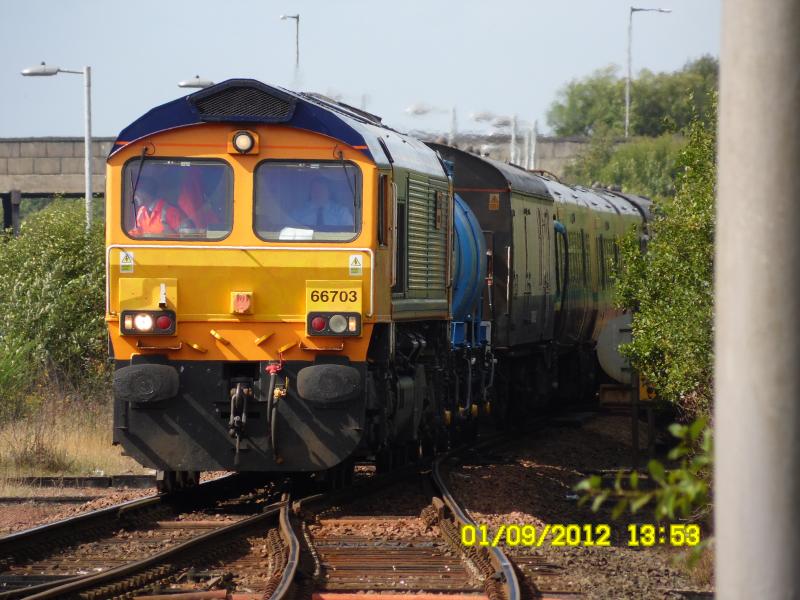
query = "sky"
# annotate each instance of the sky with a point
(505, 57)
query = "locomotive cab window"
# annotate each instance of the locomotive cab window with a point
(311, 201)
(177, 199)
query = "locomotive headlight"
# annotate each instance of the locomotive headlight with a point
(243, 141)
(143, 322)
(337, 323)
(333, 323)
(147, 322)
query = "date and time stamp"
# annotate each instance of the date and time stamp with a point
(636, 535)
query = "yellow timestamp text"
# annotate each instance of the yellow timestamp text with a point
(579, 535)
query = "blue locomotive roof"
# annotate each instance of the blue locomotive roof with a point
(249, 101)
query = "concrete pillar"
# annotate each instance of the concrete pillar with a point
(16, 198)
(757, 291)
(6, 211)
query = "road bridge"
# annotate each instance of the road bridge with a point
(43, 167)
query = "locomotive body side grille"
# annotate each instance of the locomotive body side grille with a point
(427, 258)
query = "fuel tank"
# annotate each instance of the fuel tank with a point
(469, 262)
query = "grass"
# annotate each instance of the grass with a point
(62, 437)
(702, 570)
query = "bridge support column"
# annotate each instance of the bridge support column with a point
(757, 303)
(16, 198)
(6, 211)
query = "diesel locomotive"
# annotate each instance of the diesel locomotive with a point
(291, 285)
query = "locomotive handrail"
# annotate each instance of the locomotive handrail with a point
(508, 280)
(394, 233)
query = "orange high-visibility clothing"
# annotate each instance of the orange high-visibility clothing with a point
(161, 219)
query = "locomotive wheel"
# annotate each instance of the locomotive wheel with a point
(338, 477)
(168, 482)
(187, 479)
(384, 460)
(428, 446)
(401, 455)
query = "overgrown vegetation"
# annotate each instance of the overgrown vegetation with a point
(64, 434)
(51, 307)
(671, 288)
(643, 166)
(671, 285)
(54, 378)
(680, 492)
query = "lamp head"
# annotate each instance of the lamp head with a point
(41, 70)
(195, 83)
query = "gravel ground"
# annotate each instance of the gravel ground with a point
(392, 514)
(531, 483)
(16, 515)
(30, 513)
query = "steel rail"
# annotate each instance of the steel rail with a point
(499, 560)
(293, 558)
(84, 582)
(12, 541)
(496, 557)
(43, 534)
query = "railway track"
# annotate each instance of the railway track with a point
(251, 545)
(400, 539)
(127, 546)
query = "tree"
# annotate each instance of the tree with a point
(644, 166)
(660, 102)
(584, 106)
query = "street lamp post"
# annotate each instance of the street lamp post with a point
(634, 9)
(296, 38)
(197, 82)
(44, 70)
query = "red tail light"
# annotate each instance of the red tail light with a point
(163, 322)
(318, 323)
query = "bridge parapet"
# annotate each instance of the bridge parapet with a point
(51, 165)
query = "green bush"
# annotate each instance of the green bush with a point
(644, 166)
(681, 492)
(51, 303)
(671, 285)
(671, 288)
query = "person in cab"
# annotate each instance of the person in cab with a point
(153, 215)
(323, 211)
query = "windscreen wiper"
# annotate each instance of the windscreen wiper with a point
(136, 184)
(350, 185)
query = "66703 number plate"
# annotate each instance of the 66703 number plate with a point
(329, 296)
